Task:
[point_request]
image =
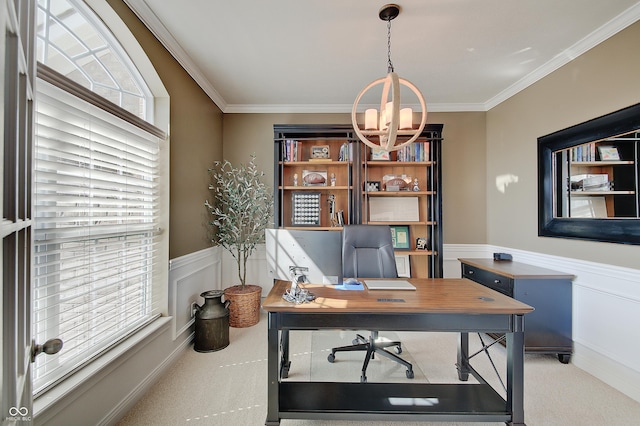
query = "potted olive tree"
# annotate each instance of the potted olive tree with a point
(242, 208)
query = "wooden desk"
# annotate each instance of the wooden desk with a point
(451, 305)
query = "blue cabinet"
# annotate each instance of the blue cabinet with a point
(548, 328)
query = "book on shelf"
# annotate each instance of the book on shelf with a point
(582, 153)
(417, 151)
(290, 150)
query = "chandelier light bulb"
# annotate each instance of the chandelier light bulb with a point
(371, 119)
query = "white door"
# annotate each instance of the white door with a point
(16, 85)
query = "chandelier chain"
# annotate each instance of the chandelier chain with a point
(389, 63)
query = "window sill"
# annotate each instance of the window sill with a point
(101, 366)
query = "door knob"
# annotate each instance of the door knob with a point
(50, 347)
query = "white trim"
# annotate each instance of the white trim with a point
(335, 108)
(189, 276)
(151, 21)
(191, 258)
(128, 402)
(614, 373)
(601, 34)
(47, 405)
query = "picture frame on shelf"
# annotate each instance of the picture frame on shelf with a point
(394, 209)
(403, 265)
(400, 237)
(395, 183)
(320, 152)
(314, 178)
(372, 186)
(421, 243)
(379, 155)
(608, 153)
(305, 209)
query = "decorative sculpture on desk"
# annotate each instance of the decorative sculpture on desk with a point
(296, 294)
(415, 185)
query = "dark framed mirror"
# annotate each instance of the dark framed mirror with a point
(589, 180)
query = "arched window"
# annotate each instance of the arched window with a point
(74, 42)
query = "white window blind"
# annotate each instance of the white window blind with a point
(95, 256)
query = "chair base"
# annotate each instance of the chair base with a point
(373, 346)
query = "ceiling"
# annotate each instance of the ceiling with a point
(317, 55)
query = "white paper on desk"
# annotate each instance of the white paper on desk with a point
(389, 285)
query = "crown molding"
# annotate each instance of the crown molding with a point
(335, 108)
(151, 21)
(607, 30)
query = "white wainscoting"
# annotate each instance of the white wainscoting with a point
(256, 270)
(190, 275)
(606, 311)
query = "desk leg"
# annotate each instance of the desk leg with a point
(515, 371)
(463, 357)
(285, 363)
(273, 379)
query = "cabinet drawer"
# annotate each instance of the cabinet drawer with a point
(489, 279)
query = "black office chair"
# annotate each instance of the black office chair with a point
(367, 252)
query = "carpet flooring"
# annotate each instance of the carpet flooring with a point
(228, 387)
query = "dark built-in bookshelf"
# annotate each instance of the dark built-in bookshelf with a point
(324, 177)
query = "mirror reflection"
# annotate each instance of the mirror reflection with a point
(589, 179)
(598, 179)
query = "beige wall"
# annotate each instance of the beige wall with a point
(489, 159)
(602, 80)
(464, 204)
(196, 141)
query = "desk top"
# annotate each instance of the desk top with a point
(516, 269)
(437, 295)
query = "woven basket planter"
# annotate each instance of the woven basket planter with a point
(244, 305)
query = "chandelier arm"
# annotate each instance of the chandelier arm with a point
(394, 124)
(423, 118)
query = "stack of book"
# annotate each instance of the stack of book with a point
(417, 151)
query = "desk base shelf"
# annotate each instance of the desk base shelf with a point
(371, 401)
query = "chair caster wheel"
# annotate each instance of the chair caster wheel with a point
(398, 349)
(410, 374)
(331, 358)
(363, 379)
(355, 341)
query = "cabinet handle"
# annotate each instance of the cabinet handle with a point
(496, 281)
(470, 271)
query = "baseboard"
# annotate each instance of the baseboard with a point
(607, 370)
(139, 391)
